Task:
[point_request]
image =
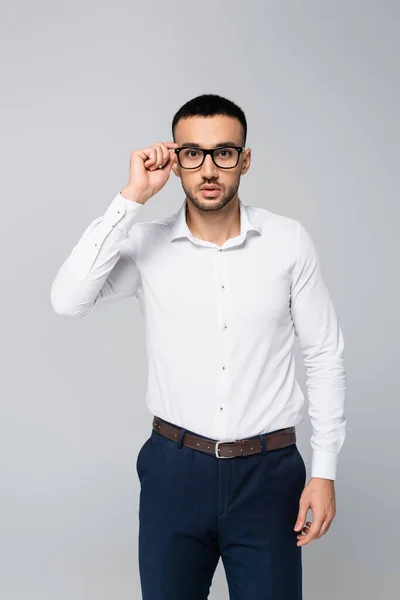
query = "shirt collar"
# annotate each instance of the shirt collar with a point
(179, 226)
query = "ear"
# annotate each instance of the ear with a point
(246, 161)
(175, 168)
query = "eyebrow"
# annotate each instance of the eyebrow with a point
(194, 145)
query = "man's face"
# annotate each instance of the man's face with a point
(209, 132)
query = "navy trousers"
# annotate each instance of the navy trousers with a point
(195, 508)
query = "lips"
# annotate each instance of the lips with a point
(213, 187)
(210, 192)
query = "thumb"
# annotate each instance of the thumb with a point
(301, 517)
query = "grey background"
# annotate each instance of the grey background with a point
(84, 84)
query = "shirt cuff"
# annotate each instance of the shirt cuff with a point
(122, 213)
(324, 464)
(117, 220)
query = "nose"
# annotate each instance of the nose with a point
(209, 169)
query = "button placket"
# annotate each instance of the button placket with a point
(223, 341)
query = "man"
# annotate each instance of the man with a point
(224, 289)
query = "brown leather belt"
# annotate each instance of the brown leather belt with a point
(273, 441)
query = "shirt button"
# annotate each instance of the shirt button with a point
(223, 368)
(220, 408)
(225, 326)
(223, 287)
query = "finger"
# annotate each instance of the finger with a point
(165, 154)
(313, 532)
(168, 157)
(301, 518)
(151, 155)
(143, 153)
(152, 158)
(158, 157)
(171, 159)
(303, 532)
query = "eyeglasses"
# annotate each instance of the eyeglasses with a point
(225, 157)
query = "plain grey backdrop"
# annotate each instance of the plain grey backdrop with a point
(84, 84)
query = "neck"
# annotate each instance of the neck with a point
(214, 226)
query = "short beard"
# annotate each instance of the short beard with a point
(229, 194)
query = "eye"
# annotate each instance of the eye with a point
(190, 153)
(225, 153)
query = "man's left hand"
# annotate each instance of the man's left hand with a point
(318, 496)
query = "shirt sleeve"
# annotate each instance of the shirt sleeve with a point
(321, 340)
(101, 265)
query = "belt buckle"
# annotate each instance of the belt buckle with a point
(217, 447)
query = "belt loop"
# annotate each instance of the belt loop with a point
(263, 443)
(180, 438)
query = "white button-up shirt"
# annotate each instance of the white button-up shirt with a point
(220, 321)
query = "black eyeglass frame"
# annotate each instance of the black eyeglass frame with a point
(211, 152)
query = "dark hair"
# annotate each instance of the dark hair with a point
(208, 105)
